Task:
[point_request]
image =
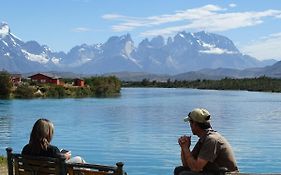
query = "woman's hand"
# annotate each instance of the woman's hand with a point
(67, 155)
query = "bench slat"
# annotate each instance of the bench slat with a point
(87, 172)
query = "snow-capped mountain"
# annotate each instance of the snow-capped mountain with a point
(182, 53)
(19, 56)
(115, 55)
(80, 55)
(192, 51)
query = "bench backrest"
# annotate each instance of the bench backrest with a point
(28, 165)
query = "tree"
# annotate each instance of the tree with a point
(104, 86)
(145, 82)
(5, 84)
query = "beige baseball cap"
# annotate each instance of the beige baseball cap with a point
(199, 115)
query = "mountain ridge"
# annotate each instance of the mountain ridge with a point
(182, 53)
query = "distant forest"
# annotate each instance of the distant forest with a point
(264, 84)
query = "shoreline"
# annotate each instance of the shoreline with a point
(3, 169)
(3, 165)
(260, 84)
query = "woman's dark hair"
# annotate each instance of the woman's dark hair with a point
(41, 135)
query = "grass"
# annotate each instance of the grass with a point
(3, 160)
(3, 165)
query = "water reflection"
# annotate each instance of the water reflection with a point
(5, 122)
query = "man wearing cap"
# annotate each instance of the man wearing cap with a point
(211, 153)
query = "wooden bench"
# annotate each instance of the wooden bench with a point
(30, 165)
(252, 173)
(94, 169)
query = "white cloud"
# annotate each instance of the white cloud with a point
(232, 5)
(265, 48)
(112, 16)
(82, 1)
(211, 18)
(81, 29)
(213, 23)
(130, 23)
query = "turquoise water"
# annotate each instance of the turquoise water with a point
(141, 126)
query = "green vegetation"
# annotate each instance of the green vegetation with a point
(111, 86)
(3, 165)
(94, 87)
(104, 86)
(3, 161)
(5, 85)
(251, 84)
(55, 91)
(24, 91)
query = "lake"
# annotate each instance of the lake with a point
(141, 127)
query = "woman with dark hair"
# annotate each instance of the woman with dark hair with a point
(40, 142)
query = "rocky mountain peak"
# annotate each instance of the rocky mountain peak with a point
(4, 29)
(157, 42)
(217, 41)
(119, 45)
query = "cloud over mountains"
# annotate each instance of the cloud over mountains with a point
(210, 17)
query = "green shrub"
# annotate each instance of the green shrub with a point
(3, 161)
(83, 92)
(5, 84)
(24, 91)
(56, 91)
(104, 86)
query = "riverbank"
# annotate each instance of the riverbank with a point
(64, 88)
(3, 166)
(3, 170)
(260, 84)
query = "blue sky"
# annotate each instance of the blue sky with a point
(254, 25)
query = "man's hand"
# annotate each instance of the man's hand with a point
(184, 141)
(186, 156)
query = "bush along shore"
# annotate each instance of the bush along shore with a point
(263, 84)
(27, 89)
